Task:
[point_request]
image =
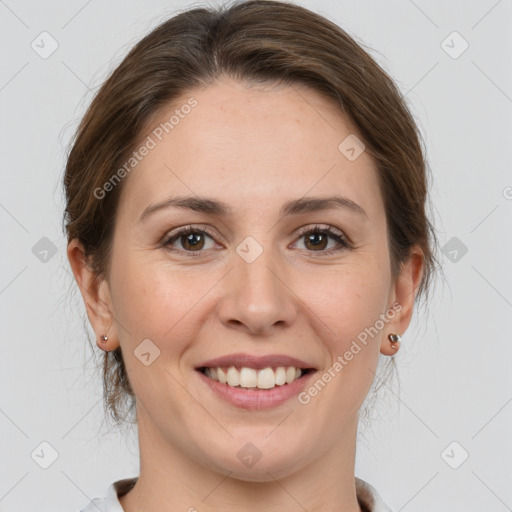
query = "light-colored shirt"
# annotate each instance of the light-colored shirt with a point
(368, 497)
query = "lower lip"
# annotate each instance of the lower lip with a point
(259, 398)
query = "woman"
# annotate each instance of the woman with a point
(246, 223)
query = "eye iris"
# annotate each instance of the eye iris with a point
(313, 238)
(194, 239)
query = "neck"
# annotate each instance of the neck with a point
(171, 480)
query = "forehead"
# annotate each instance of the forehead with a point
(248, 146)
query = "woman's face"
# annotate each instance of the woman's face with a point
(252, 167)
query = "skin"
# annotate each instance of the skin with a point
(253, 148)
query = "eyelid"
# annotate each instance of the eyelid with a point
(191, 227)
(319, 227)
(331, 231)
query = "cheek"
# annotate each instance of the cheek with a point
(151, 300)
(351, 324)
(350, 299)
(355, 300)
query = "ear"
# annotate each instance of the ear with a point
(96, 295)
(402, 296)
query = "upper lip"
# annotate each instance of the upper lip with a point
(257, 362)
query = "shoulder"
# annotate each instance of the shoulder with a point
(110, 503)
(368, 497)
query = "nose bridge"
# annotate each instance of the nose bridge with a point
(256, 265)
(257, 296)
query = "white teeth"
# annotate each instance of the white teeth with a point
(248, 378)
(290, 374)
(266, 378)
(280, 376)
(221, 376)
(233, 376)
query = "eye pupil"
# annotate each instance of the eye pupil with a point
(313, 238)
(194, 240)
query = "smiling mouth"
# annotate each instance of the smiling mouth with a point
(255, 379)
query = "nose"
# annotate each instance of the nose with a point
(258, 296)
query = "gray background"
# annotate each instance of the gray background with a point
(454, 363)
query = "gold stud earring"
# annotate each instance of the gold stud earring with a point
(394, 338)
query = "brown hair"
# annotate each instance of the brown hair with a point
(251, 41)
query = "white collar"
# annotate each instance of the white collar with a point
(367, 496)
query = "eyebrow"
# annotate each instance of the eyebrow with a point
(218, 208)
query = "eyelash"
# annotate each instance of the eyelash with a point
(345, 244)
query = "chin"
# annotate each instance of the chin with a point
(252, 465)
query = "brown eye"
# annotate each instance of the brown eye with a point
(191, 240)
(317, 240)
